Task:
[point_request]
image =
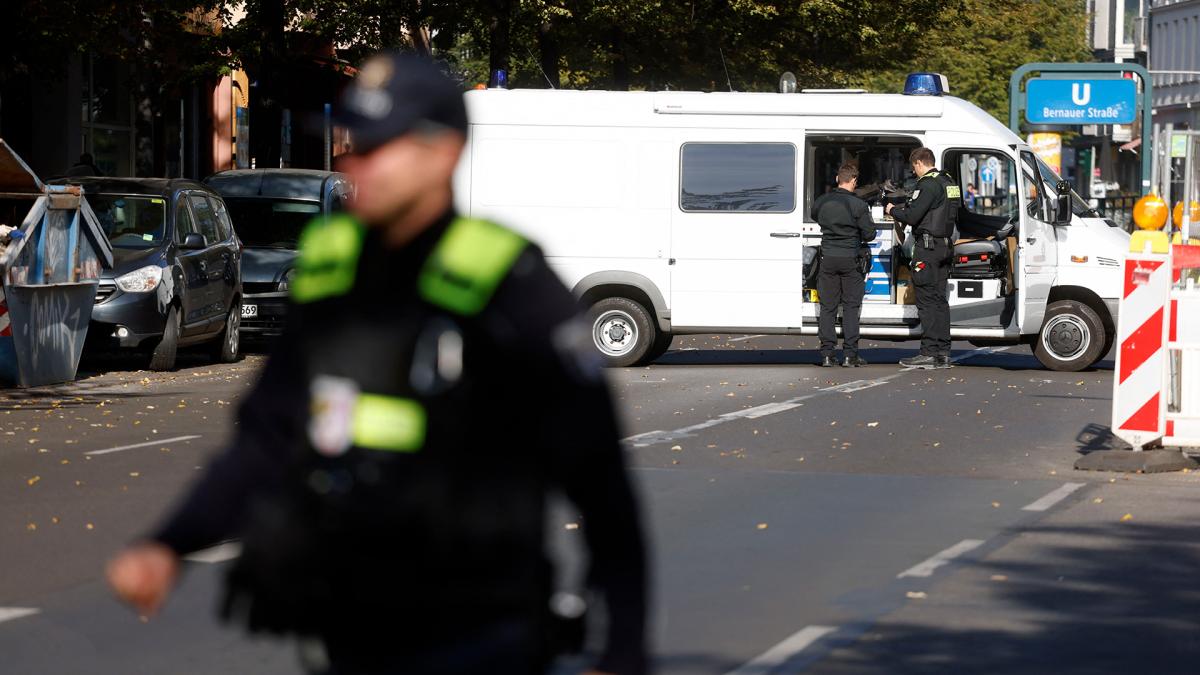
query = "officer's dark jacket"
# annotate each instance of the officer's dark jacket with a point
(417, 513)
(846, 224)
(934, 208)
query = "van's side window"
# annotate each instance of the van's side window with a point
(879, 159)
(757, 177)
(206, 220)
(1035, 188)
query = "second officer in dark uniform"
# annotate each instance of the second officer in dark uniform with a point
(389, 472)
(846, 227)
(932, 212)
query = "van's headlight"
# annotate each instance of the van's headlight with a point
(286, 282)
(142, 280)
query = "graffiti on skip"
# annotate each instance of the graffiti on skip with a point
(51, 329)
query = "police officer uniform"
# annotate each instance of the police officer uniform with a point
(390, 469)
(932, 210)
(846, 227)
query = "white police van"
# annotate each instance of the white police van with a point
(672, 213)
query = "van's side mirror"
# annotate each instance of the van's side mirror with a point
(192, 242)
(1062, 210)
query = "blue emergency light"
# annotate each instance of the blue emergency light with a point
(926, 84)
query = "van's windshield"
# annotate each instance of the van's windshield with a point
(1050, 181)
(270, 223)
(130, 221)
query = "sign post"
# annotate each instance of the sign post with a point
(1085, 97)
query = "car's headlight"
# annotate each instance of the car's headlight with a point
(142, 280)
(286, 282)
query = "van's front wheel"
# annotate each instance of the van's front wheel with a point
(622, 330)
(1072, 337)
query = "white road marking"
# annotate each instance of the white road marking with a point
(10, 613)
(649, 438)
(1056, 496)
(217, 554)
(163, 441)
(926, 567)
(781, 653)
(744, 337)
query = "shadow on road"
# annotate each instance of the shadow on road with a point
(981, 358)
(1119, 598)
(1095, 437)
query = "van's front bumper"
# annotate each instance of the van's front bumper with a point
(137, 313)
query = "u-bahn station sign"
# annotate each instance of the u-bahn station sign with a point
(1081, 101)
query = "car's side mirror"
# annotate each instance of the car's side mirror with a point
(1062, 210)
(192, 242)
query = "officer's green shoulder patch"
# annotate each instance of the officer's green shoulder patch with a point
(468, 264)
(328, 261)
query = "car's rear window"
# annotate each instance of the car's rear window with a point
(131, 221)
(270, 223)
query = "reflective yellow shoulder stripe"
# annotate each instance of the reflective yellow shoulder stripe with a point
(468, 265)
(388, 423)
(328, 261)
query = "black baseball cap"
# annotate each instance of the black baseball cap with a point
(396, 93)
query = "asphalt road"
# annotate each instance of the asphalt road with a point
(869, 520)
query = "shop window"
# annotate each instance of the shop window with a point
(107, 116)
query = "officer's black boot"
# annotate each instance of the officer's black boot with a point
(921, 361)
(942, 361)
(827, 361)
(853, 361)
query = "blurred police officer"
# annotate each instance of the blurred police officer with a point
(390, 470)
(846, 227)
(932, 212)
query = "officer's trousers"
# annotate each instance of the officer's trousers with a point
(840, 283)
(930, 275)
(503, 647)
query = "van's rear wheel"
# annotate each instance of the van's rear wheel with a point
(1072, 337)
(622, 331)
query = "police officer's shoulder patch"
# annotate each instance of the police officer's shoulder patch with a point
(327, 265)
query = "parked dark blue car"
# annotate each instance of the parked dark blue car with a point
(176, 277)
(270, 207)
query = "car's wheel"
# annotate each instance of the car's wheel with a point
(1072, 337)
(163, 357)
(622, 330)
(662, 342)
(228, 346)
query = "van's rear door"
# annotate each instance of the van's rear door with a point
(735, 233)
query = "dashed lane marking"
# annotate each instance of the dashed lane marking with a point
(163, 441)
(217, 554)
(1054, 497)
(926, 567)
(10, 613)
(783, 652)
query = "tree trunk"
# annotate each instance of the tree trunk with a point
(549, 56)
(500, 35)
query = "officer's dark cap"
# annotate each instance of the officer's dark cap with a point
(395, 94)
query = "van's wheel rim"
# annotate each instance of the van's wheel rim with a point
(615, 332)
(1066, 337)
(233, 326)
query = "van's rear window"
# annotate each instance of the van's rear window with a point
(759, 177)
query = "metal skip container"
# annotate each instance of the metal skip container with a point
(50, 269)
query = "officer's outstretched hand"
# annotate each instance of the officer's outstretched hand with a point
(142, 575)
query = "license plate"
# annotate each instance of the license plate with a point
(249, 311)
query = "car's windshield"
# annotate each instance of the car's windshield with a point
(1050, 180)
(270, 223)
(131, 221)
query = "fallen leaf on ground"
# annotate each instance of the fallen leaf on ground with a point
(1126, 517)
(916, 595)
(761, 526)
(33, 480)
(872, 424)
(999, 577)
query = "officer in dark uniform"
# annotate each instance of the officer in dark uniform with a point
(846, 227)
(389, 473)
(932, 212)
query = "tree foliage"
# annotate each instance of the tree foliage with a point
(602, 44)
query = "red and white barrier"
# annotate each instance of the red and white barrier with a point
(5, 325)
(1138, 402)
(1182, 427)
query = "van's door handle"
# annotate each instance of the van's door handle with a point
(785, 235)
(1030, 240)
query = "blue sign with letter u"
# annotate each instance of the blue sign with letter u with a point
(1081, 101)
